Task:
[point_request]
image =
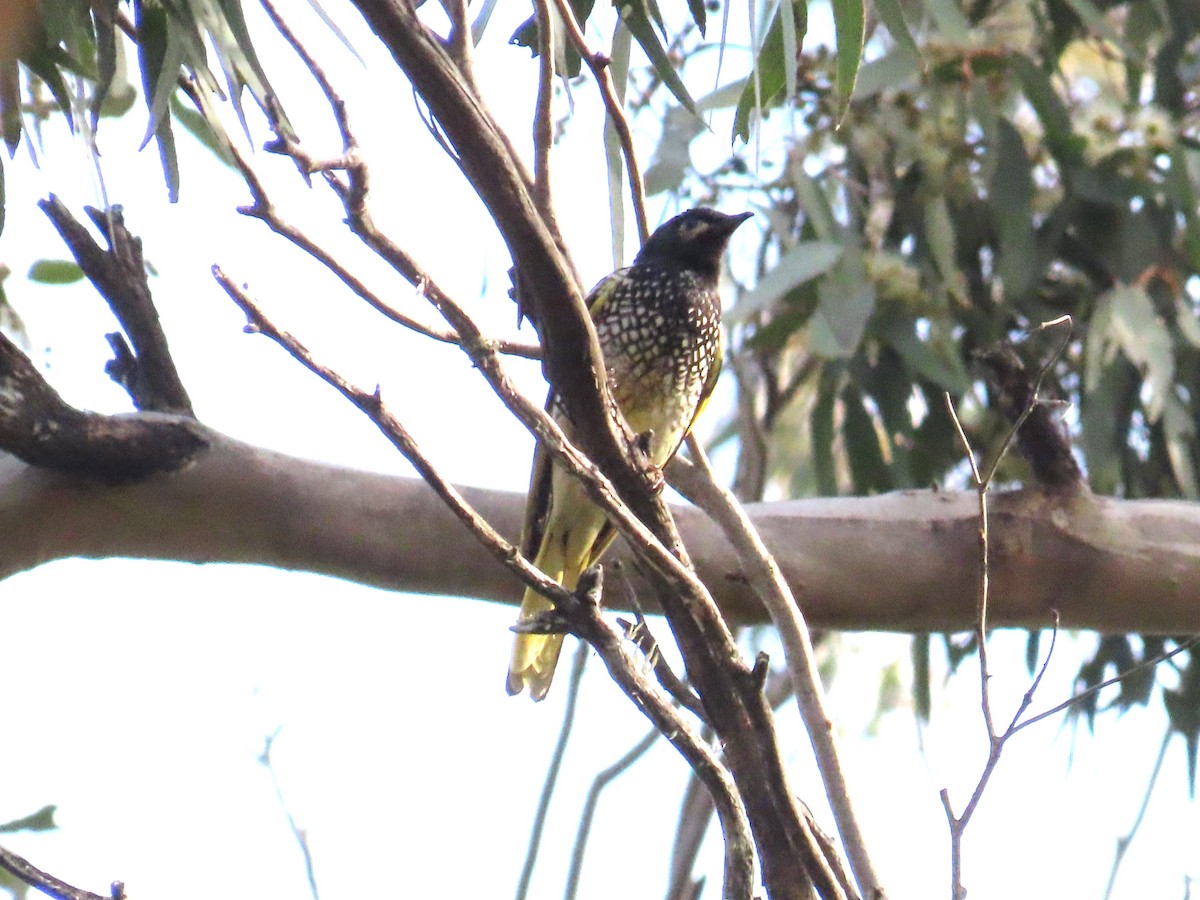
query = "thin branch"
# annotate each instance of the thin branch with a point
(371, 404)
(148, 373)
(582, 610)
(556, 759)
(1116, 679)
(265, 211)
(602, 780)
(581, 616)
(298, 833)
(23, 870)
(639, 633)
(1022, 401)
(1125, 840)
(762, 572)
(38, 426)
(543, 121)
(598, 63)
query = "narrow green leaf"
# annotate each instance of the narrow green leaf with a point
(1033, 643)
(699, 14)
(1012, 211)
(614, 160)
(868, 468)
(1056, 121)
(1143, 337)
(846, 301)
(771, 70)
(198, 126)
(849, 23)
(920, 665)
(45, 65)
(104, 19)
(1179, 180)
(170, 161)
(952, 25)
(160, 55)
(1179, 432)
(801, 263)
(815, 205)
(791, 49)
(936, 360)
(891, 70)
(942, 240)
(55, 271)
(42, 820)
(821, 426)
(481, 21)
(892, 17)
(633, 14)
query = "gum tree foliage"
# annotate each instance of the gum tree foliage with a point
(981, 168)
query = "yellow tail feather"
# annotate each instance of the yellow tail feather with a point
(535, 656)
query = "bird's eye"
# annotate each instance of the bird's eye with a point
(692, 230)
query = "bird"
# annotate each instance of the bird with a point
(659, 326)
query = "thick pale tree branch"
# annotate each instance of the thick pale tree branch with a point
(897, 562)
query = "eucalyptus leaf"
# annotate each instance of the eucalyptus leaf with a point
(849, 22)
(771, 67)
(1143, 337)
(799, 264)
(1012, 211)
(634, 15)
(55, 271)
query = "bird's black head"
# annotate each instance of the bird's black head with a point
(695, 240)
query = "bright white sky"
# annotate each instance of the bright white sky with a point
(138, 695)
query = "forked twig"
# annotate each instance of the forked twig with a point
(577, 612)
(602, 780)
(982, 483)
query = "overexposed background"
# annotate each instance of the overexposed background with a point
(138, 696)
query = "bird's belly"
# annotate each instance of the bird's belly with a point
(659, 403)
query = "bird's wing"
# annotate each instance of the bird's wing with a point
(709, 383)
(537, 504)
(599, 295)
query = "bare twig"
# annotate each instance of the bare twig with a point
(543, 120)
(148, 373)
(700, 485)
(298, 833)
(556, 759)
(598, 63)
(1023, 401)
(1116, 679)
(638, 631)
(582, 610)
(265, 211)
(582, 617)
(29, 874)
(602, 780)
(1125, 840)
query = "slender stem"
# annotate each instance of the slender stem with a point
(602, 780)
(768, 583)
(552, 770)
(543, 123)
(598, 63)
(1127, 839)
